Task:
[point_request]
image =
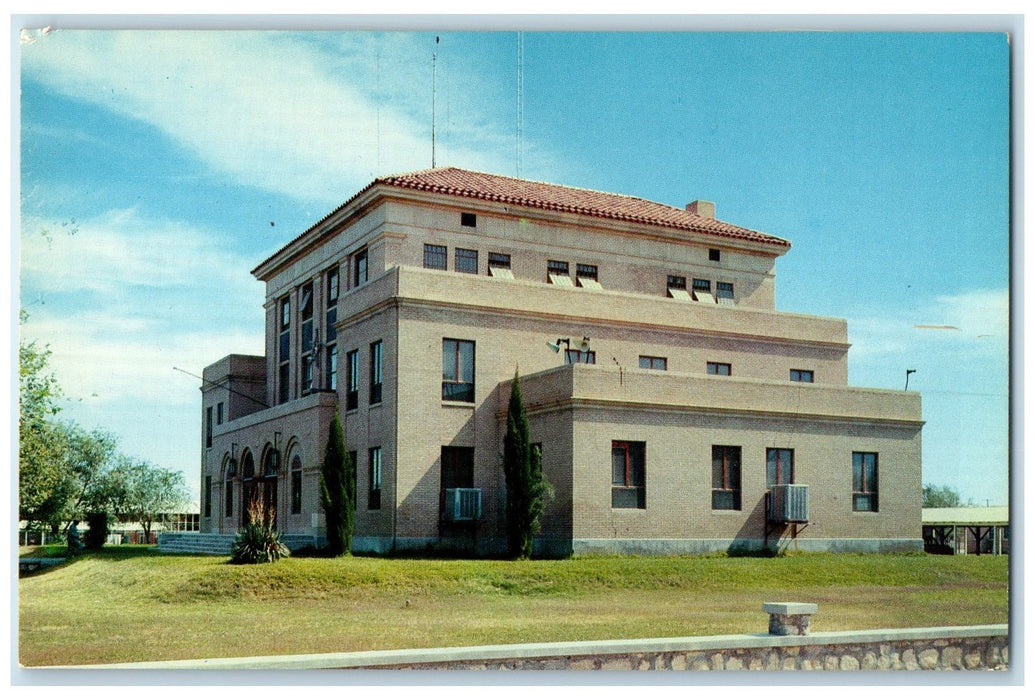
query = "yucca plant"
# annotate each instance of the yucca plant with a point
(258, 542)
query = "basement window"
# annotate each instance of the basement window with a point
(468, 219)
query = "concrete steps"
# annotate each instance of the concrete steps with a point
(216, 543)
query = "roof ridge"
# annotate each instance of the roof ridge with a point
(512, 178)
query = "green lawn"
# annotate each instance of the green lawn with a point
(133, 604)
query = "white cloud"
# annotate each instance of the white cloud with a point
(975, 321)
(278, 111)
(124, 299)
(120, 249)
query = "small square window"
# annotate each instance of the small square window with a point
(721, 369)
(676, 282)
(468, 219)
(713, 254)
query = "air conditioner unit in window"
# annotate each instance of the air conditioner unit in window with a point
(789, 503)
(462, 505)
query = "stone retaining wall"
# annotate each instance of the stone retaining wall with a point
(947, 654)
(982, 647)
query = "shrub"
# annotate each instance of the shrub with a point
(258, 542)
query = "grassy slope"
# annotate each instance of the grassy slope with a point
(131, 604)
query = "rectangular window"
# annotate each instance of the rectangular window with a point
(465, 260)
(330, 332)
(724, 293)
(219, 413)
(457, 468)
(801, 375)
(647, 362)
(362, 274)
(557, 273)
(779, 466)
(578, 357)
(457, 370)
(500, 261)
(352, 377)
(468, 219)
(208, 427)
(457, 471)
(296, 485)
(376, 371)
(677, 288)
(703, 291)
(374, 492)
(353, 456)
(585, 272)
(725, 477)
(305, 309)
(285, 313)
(284, 356)
(435, 257)
(722, 369)
(864, 481)
(208, 496)
(713, 254)
(332, 367)
(228, 498)
(628, 475)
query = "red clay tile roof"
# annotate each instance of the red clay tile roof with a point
(546, 196)
(541, 195)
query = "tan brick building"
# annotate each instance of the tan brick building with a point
(676, 408)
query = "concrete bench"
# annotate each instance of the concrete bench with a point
(789, 618)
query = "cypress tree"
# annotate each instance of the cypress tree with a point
(523, 473)
(337, 491)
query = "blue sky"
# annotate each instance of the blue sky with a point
(158, 168)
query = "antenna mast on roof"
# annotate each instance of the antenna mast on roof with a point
(434, 60)
(520, 95)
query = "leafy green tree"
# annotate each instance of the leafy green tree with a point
(942, 497)
(523, 473)
(41, 475)
(138, 491)
(338, 491)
